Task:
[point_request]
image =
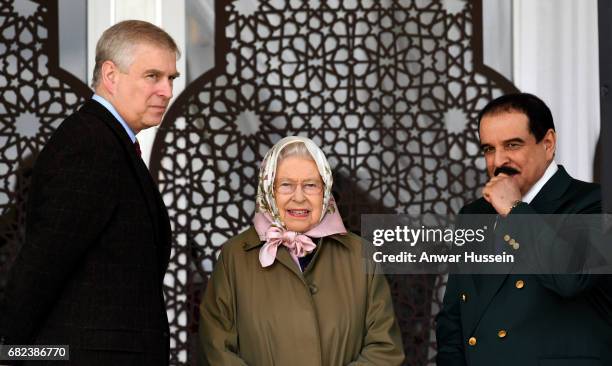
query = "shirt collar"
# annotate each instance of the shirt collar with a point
(535, 189)
(114, 112)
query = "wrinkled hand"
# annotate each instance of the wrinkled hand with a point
(501, 192)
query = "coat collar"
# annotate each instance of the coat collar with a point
(548, 199)
(551, 196)
(147, 185)
(251, 239)
(99, 111)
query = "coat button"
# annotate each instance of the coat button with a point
(472, 341)
(506, 237)
(519, 284)
(463, 297)
(502, 333)
(313, 288)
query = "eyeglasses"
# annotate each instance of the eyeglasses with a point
(308, 187)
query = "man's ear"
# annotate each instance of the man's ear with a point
(109, 72)
(550, 143)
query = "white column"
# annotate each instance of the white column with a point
(556, 57)
(169, 15)
(497, 36)
(100, 14)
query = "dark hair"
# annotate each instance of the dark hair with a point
(539, 115)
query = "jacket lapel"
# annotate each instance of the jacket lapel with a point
(252, 241)
(547, 201)
(551, 196)
(145, 181)
(283, 256)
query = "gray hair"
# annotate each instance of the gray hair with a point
(117, 44)
(295, 149)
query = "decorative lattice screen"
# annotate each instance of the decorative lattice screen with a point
(390, 91)
(35, 97)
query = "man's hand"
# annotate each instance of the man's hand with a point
(501, 192)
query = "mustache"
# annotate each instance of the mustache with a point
(506, 170)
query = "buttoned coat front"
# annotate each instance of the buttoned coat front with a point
(334, 313)
(530, 320)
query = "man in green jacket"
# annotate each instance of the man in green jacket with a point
(537, 319)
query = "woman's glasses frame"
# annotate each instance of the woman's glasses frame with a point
(308, 187)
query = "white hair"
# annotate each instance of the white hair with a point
(294, 149)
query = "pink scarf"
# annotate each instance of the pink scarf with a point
(267, 220)
(298, 244)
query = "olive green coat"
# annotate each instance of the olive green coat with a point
(332, 314)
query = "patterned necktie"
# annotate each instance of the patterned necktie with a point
(137, 147)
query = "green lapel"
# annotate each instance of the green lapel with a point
(547, 201)
(252, 241)
(550, 197)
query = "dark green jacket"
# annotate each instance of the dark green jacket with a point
(333, 313)
(528, 320)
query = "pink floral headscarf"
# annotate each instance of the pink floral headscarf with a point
(267, 221)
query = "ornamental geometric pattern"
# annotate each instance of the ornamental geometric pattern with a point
(35, 97)
(388, 89)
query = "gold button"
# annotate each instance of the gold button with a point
(516, 246)
(512, 242)
(502, 333)
(472, 341)
(506, 237)
(463, 297)
(519, 284)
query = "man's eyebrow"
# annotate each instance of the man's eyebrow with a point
(515, 139)
(159, 72)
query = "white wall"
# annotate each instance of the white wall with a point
(556, 57)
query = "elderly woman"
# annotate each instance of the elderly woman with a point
(292, 289)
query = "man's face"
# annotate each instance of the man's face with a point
(508, 144)
(143, 92)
